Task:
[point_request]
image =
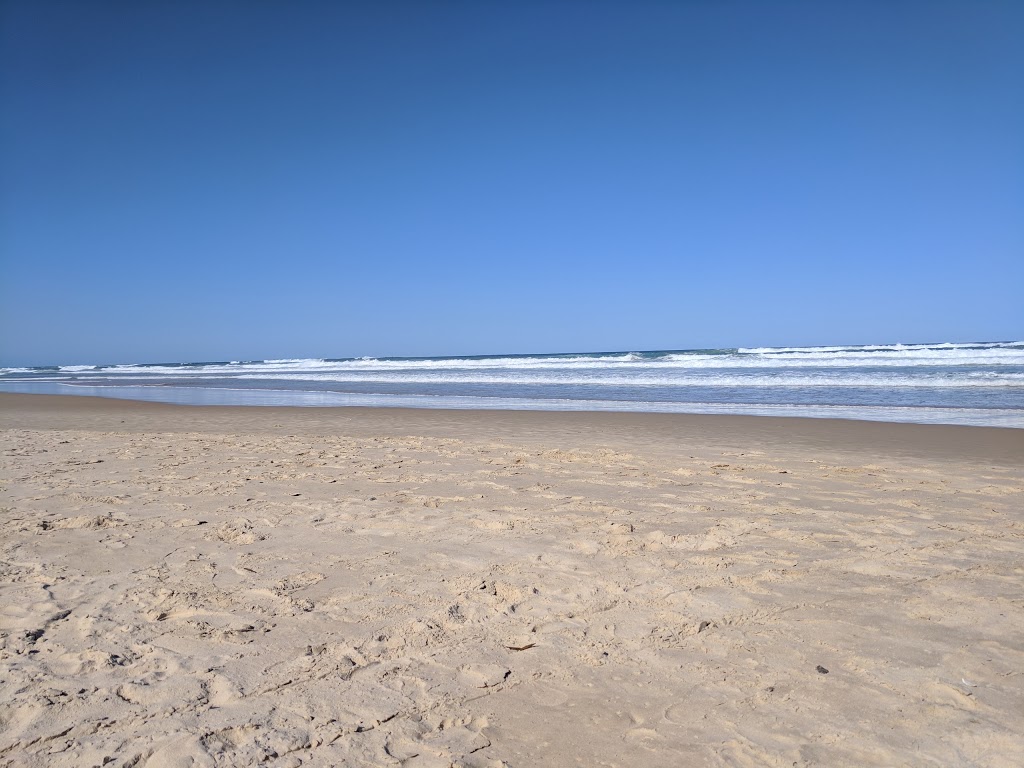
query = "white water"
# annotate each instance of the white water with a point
(946, 382)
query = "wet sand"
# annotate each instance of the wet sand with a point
(222, 586)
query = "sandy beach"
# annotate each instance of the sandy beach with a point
(220, 586)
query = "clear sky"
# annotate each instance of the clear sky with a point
(224, 180)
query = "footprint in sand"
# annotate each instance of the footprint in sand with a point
(239, 531)
(483, 675)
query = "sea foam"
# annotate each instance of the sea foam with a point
(980, 377)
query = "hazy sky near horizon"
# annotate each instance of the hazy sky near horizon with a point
(245, 180)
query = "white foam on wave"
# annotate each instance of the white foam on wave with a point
(771, 360)
(885, 347)
(187, 369)
(889, 358)
(546, 361)
(883, 358)
(371, 363)
(796, 378)
(20, 379)
(683, 379)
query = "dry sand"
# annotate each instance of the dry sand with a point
(232, 586)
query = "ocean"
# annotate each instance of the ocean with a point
(964, 383)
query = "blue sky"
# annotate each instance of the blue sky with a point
(218, 180)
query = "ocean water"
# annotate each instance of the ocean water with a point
(974, 383)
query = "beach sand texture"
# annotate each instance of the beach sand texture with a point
(186, 586)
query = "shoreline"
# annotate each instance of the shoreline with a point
(664, 431)
(194, 394)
